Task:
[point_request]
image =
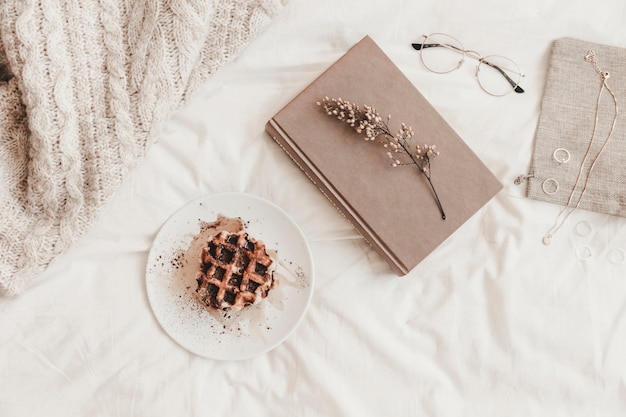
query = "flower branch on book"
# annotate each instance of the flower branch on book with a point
(398, 148)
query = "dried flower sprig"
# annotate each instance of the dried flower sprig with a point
(369, 122)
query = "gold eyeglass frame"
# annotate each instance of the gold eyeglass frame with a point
(515, 87)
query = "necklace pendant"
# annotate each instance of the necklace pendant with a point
(547, 239)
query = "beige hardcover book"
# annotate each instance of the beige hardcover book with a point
(393, 208)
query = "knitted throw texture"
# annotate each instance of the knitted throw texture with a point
(84, 88)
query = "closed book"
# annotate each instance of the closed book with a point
(394, 208)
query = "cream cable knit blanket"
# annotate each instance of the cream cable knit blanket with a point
(84, 88)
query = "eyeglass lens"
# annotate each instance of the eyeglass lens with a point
(442, 53)
(497, 75)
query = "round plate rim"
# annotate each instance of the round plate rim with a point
(309, 274)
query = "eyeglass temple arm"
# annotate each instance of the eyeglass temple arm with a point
(517, 88)
(418, 46)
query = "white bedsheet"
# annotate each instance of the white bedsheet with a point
(492, 323)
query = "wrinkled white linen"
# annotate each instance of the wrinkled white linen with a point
(492, 323)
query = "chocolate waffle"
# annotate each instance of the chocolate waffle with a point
(236, 271)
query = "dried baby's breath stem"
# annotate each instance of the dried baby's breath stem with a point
(367, 121)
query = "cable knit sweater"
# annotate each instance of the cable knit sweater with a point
(84, 88)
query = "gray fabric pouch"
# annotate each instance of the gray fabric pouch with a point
(565, 129)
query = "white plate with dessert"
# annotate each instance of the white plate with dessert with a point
(229, 276)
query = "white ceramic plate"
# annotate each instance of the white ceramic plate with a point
(171, 272)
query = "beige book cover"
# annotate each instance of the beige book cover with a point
(392, 207)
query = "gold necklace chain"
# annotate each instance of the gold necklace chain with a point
(568, 209)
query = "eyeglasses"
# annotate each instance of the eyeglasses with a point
(496, 75)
